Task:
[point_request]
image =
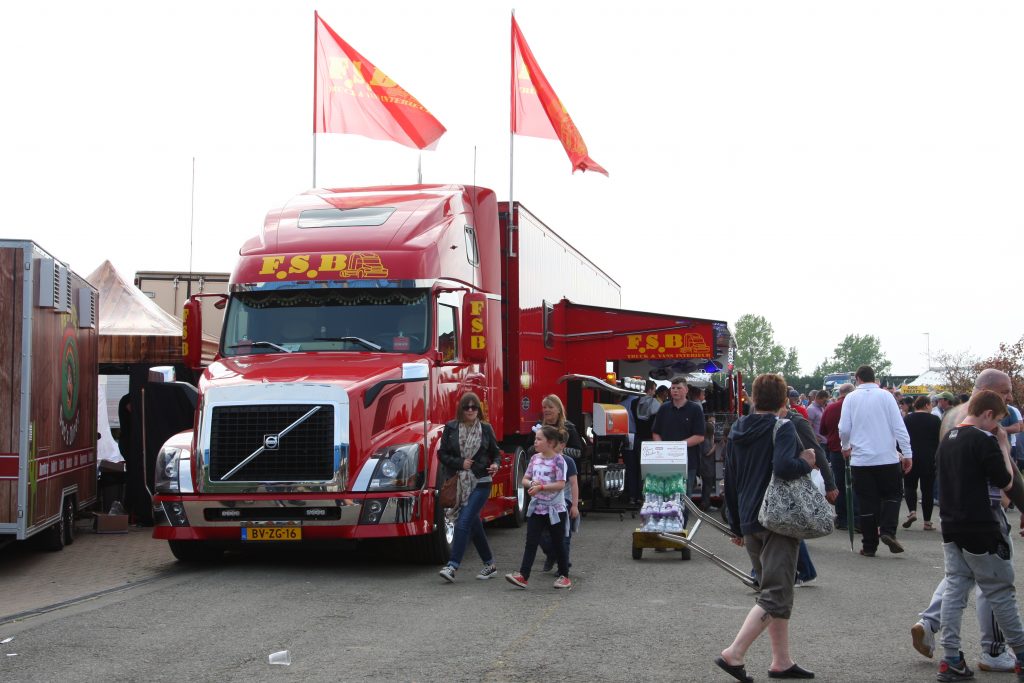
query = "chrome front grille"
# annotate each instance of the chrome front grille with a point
(303, 454)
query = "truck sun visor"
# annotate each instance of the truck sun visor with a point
(343, 218)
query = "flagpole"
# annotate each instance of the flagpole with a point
(191, 223)
(511, 136)
(316, 17)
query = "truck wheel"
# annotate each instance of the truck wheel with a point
(52, 538)
(68, 517)
(195, 551)
(435, 547)
(518, 515)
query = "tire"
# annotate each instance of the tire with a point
(436, 547)
(638, 553)
(68, 516)
(52, 538)
(518, 516)
(684, 554)
(195, 552)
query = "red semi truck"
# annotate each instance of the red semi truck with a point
(354, 321)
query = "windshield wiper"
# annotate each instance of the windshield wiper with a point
(259, 343)
(358, 340)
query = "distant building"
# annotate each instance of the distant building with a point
(170, 291)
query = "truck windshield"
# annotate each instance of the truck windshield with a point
(288, 321)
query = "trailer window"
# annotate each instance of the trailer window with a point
(281, 321)
(447, 334)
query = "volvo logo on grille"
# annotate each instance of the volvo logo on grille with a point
(271, 442)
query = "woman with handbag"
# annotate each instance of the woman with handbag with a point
(757, 449)
(469, 452)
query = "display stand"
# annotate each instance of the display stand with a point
(662, 458)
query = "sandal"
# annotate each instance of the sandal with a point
(928, 526)
(911, 518)
(737, 671)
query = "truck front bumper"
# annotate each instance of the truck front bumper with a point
(321, 517)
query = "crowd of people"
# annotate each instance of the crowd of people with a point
(961, 457)
(958, 452)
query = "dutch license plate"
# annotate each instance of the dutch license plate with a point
(272, 533)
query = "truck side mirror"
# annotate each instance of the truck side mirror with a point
(192, 333)
(475, 337)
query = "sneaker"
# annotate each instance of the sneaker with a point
(954, 672)
(549, 564)
(911, 518)
(894, 545)
(448, 573)
(1005, 661)
(517, 579)
(563, 582)
(804, 582)
(924, 639)
(487, 572)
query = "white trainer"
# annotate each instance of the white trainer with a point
(1005, 661)
(924, 639)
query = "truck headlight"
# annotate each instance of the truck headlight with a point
(398, 468)
(165, 478)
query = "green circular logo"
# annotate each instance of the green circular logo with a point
(69, 378)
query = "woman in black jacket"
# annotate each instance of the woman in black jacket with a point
(756, 452)
(469, 450)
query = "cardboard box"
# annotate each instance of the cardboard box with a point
(110, 524)
(663, 457)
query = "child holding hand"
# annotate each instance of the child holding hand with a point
(544, 479)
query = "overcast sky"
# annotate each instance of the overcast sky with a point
(838, 168)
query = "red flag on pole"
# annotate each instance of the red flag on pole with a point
(536, 109)
(351, 95)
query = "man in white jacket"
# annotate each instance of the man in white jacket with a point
(870, 427)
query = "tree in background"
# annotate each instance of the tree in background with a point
(1009, 359)
(856, 350)
(757, 352)
(959, 368)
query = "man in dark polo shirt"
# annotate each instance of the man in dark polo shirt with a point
(682, 420)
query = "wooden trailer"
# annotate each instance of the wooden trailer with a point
(48, 395)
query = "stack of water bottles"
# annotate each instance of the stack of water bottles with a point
(663, 503)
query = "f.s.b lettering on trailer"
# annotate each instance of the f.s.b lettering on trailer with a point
(669, 345)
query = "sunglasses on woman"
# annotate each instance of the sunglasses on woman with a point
(471, 407)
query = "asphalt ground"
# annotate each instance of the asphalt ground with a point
(364, 614)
